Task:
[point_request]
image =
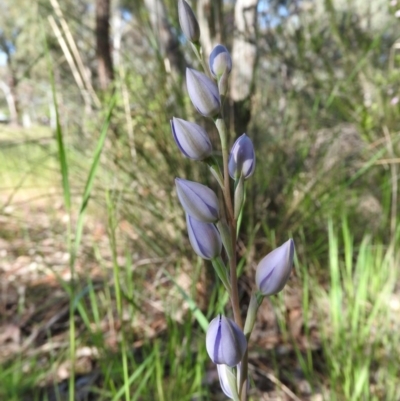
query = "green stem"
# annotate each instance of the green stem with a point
(198, 51)
(72, 346)
(220, 269)
(215, 170)
(112, 223)
(255, 302)
(243, 376)
(234, 282)
(220, 124)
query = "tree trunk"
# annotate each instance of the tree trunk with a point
(244, 57)
(203, 17)
(210, 18)
(167, 41)
(103, 49)
(10, 90)
(11, 102)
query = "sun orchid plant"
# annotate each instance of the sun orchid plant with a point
(211, 227)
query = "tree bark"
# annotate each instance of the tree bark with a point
(210, 18)
(11, 102)
(168, 43)
(203, 17)
(244, 57)
(103, 48)
(9, 87)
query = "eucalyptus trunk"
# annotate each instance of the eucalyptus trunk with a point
(244, 57)
(103, 48)
(167, 41)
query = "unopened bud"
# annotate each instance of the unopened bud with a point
(198, 200)
(225, 341)
(242, 159)
(203, 93)
(274, 270)
(204, 238)
(188, 22)
(220, 61)
(191, 138)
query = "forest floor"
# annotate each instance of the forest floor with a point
(34, 305)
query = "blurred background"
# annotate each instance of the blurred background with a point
(102, 297)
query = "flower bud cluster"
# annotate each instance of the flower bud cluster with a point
(200, 203)
(211, 228)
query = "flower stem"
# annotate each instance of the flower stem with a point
(243, 376)
(232, 222)
(220, 124)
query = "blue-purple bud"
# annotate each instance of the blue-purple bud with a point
(191, 138)
(198, 200)
(188, 22)
(274, 269)
(220, 61)
(242, 159)
(203, 93)
(204, 237)
(225, 342)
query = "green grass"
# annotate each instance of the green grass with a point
(351, 301)
(352, 298)
(27, 160)
(356, 318)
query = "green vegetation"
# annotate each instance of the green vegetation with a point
(95, 263)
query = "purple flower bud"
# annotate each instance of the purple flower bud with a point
(198, 200)
(203, 93)
(204, 237)
(220, 61)
(188, 22)
(192, 139)
(225, 342)
(242, 159)
(274, 269)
